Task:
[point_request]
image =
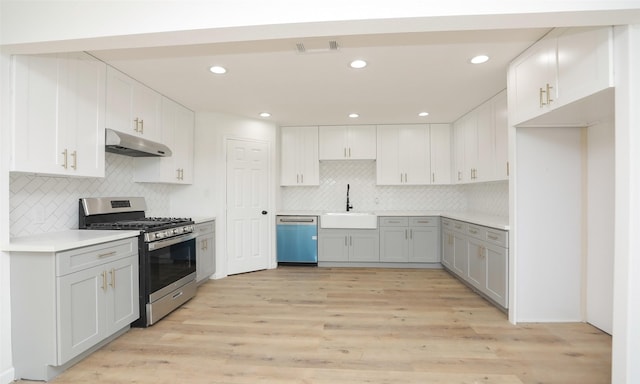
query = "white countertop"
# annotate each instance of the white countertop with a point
(65, 240)
(493, 221)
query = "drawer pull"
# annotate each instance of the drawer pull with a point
(492, 237)
(107, 254)
(473, 231)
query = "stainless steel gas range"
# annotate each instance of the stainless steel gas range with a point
(166, 247)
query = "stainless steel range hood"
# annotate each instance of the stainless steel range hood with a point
(134, 146)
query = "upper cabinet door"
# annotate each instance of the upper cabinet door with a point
(362, 142)
(403, 155)
(132, 108)
(534, 79)
(440, 153)
(352, 142)
(59, 115)
(585, 62)
(299, 164)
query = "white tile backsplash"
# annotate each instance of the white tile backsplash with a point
(40, 204)
(365, 195)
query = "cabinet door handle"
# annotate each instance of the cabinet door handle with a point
(181, 173)
(542, 103)
(178, 173)
(64, 163)
(113, 278)
(433, 177)
(297, 178)
(345, 241)
(401, 177)
(549, 99)
(141, 126)
(137, 125)
(350, 241)
(302, 178)
(405, 234)
(459, 175)
(349, 152)
(345, 152)
(411, 233)
(104, 280)
(74, 165)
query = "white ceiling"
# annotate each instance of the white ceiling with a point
(407, 73)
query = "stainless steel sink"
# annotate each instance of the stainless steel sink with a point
(349, 220)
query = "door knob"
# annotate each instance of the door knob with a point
(264, 212)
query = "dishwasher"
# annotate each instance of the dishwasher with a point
(297, 239)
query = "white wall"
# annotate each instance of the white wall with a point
(207, 195)
(600, 232)
(549, 224)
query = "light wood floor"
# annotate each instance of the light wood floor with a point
(332, 326)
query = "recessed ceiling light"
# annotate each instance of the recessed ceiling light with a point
(265, 114)
(358, 64)
(218, 70)
(479, 59)
(354, 115)
(423, 114)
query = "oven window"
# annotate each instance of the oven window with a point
(170, 264)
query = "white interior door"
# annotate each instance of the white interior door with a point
(247, 206)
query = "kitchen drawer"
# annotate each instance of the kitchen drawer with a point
(476, 231)
(393, 221)
(206, 227)
(497, 237)
(459, 226)
(423, 221)
(86, 257)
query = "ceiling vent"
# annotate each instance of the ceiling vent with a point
(319, 47)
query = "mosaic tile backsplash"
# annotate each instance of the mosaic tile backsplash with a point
(365, 195)
(42, 204)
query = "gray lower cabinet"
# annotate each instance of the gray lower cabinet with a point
(205, 250)
(64, 304)
(348, 245)
(409, 239)
(479, 256)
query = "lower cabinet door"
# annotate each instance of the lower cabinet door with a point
(477, 272)
(447, 249)
(423, 245)
(122, 301)
(81, 312)
(364, 246)
(394, 244)
(333, 245)
(460, 259)
(497, 272)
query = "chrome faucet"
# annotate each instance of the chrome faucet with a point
(349, 206)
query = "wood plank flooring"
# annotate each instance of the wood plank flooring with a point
(346, 325)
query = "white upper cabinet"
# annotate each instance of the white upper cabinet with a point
(480, 143)
(178, 133)
(565, 66)
(440, 153)
(352, 142)
(299, 164)
(59, 114)
(403, 155)
(132, 108)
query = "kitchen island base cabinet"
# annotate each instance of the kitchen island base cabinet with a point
(64, 305)
(341, 245)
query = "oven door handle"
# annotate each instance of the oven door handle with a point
(171, 241)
